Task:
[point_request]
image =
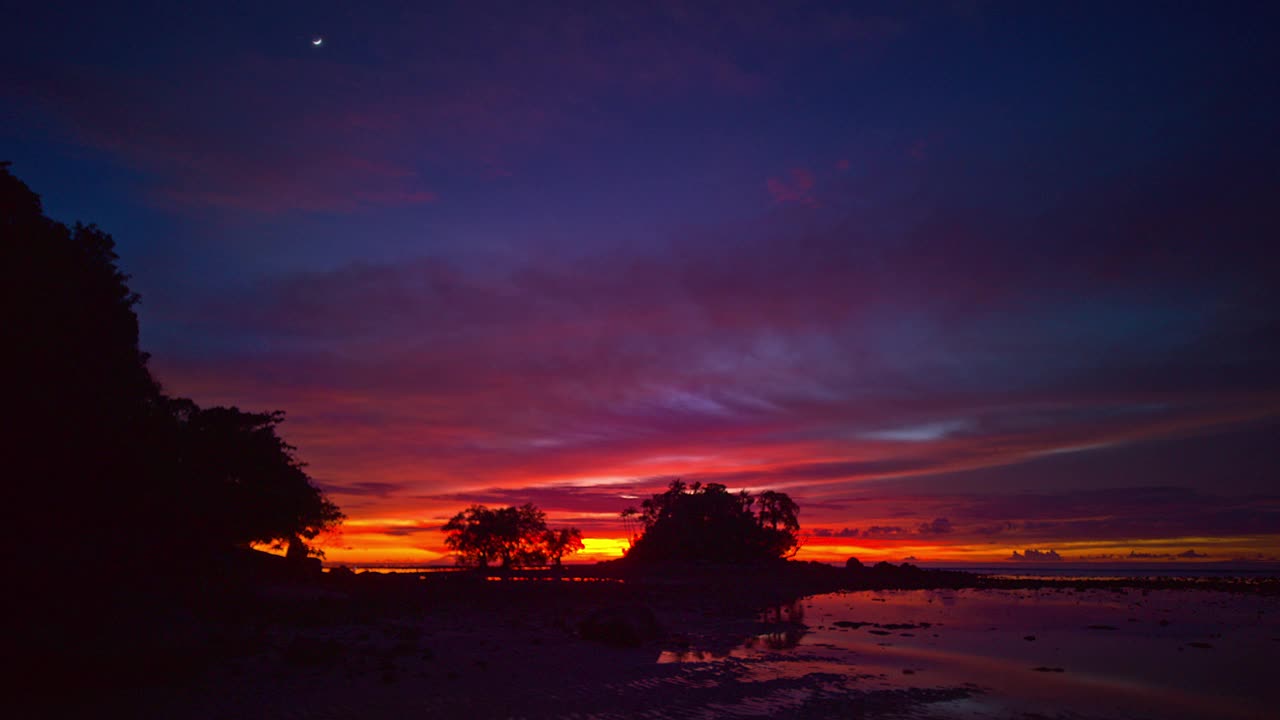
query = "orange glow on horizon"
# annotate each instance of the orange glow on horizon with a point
(392, 519)
(832, 550)
(596, 549)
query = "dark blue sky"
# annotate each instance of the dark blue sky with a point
(897, 258)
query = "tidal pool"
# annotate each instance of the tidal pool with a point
(1039, 653)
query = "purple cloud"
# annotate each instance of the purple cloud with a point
(938, 526)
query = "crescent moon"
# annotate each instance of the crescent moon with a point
(318, 41)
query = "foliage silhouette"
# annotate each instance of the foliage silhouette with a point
(111, 473)
(708, 524)
(254, 488)
(512, 536)
(559, 543)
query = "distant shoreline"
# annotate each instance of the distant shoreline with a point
(1066, 571)
(805, 578)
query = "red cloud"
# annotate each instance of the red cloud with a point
(435, 380)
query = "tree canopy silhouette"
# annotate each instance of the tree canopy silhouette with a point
(106, 469)
(510, 536)
(561, 542)
(708, 524)
(254, 488)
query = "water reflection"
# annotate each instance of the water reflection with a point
(1098, 653)
(783, 627)
(783, 640)
(786, 621)
(791, 612)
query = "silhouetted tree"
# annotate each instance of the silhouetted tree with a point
(107, 471)
(252, 487)
(79, 394)
(629, 516)
(512, 536)
(778, 514)
(561, 542)
(472, 535)
(707, 523)
(777, 509)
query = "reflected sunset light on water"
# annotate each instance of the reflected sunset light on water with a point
(1096, 653)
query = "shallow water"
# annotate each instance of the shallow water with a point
(1044, 653)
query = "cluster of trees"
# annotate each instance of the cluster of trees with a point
(509, 536)
(107, 470)
(686, 523)
(708, 524)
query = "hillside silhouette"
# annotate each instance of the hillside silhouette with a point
(112, 480)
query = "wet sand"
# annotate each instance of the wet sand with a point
(402, 647)
(527, 661)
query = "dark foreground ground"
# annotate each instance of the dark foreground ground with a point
(257, 640)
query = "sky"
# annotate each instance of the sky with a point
(973, 281)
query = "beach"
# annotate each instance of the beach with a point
(404, 647)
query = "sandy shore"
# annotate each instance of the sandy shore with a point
(383, 647)
(523, 662)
